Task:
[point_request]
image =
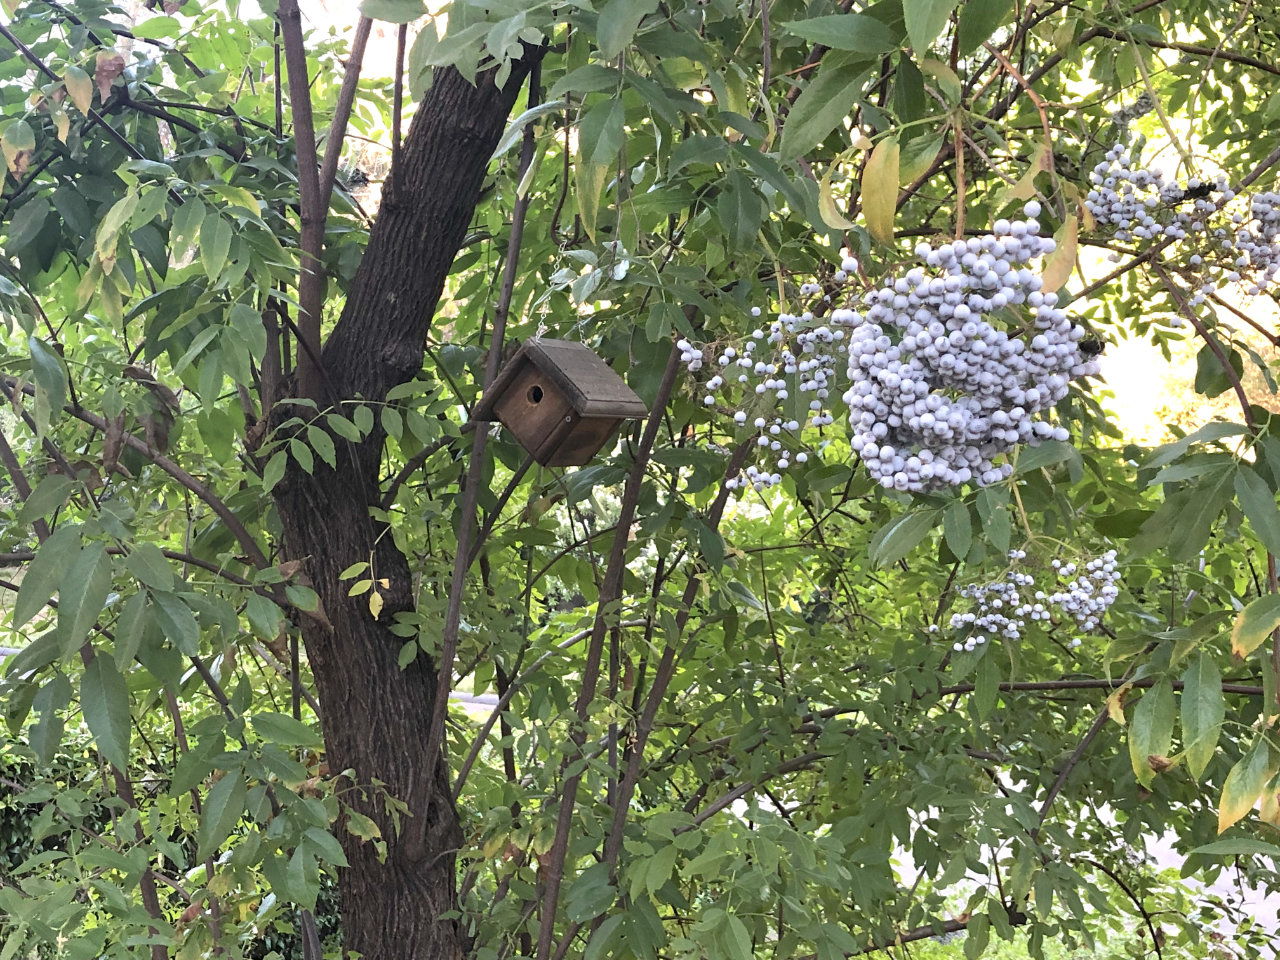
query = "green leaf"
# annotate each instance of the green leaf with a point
(393, 11)
(515, 129)
(737, 939)
(1238, 847)
(285, 730)
(978, 21)
(600, 133)
(322, 444)
(301, 453)
(46, 735)
(925, 21)
(1254, 624)
(273, 472)
(1045, 454)
(997, 523)
(130, 627)
(110, 226)
(1214, 430)
(1258, 501)
(602, 939)
(185, 229)
(195, 765)
(1243, 785)
(879, 192)
(82, 595)
(222, 809)
(1151, 731)
(149, 566)
(901, 535)
(215, 244)
(104, 700)
(26, 224)
(822, 106)
(619, 21)
(177, 622)
(957, 529)
(326, 847)
(49, 495)
(591, 894)
(855, 32)
(51, 383)
(1202, 712)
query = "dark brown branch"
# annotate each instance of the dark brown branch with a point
(1193, 49)
(311, 209)
(610, 593)
(20, 483)
(341, 114)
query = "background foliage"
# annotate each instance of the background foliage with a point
(780, 758)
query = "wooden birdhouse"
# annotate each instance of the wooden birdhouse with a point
(560, 400)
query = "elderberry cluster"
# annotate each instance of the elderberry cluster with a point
(780, 381)
(1142, 204)
(1004, 608)
(949, 367)
(938, 391)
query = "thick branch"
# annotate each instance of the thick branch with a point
(310, 202)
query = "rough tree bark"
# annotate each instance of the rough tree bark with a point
(375, 715)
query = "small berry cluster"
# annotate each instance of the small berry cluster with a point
(1141, 204)
(1004, 608)
(779, 376)
(938, 392)
(1138, 203)
(1087, 597)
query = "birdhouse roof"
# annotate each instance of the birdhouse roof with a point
(590, 385)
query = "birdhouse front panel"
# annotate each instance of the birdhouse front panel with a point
(578, 440)
(534, 409)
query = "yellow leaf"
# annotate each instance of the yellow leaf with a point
(1059, 264)
(80, 87)
(948, 82)
(1025, 188)
(1254, 624)
(375, 603)
(589, 180)
(880, 190)
(1243, 785)
(827, 207)
(62, 124)
(1270, 809)
(1115, 703)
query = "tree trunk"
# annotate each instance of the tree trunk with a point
(375, 715)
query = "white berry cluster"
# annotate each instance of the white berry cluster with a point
(780, 381)
(1003, 608)
(1142, 204)
(938, 391)
(1087, 596)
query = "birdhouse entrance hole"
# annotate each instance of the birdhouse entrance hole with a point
(535, 394)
